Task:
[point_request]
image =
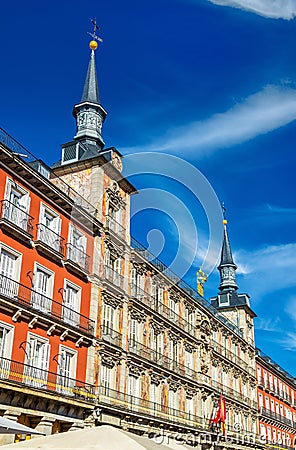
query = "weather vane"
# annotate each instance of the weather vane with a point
(224, 214)
(95, 39)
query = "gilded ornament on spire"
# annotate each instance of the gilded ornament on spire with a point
(93, 45)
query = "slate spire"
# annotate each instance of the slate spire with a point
(89, 113)
(91, 90)
(227, 267)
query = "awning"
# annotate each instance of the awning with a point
(10, 427)
(104, 437)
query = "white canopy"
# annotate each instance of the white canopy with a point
(104, 437)
(10, 427)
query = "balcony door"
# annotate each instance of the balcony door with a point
(67, 371)
(42, 289)
(6, 340)
(8, 287)
(49, 228)
(71, 304)
(37, 352)
(16, 205)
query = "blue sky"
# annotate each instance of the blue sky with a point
(210, 82)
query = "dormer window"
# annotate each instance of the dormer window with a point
(71, 152)
(224, 299)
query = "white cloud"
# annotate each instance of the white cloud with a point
(260, 113)
(267, 270)
(274, 9)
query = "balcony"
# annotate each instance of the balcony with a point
(142, 351)
(49, 243)
(25, 375)
(115, 228)
(113, 277)
(76, 261)
(15, 221)
(111, 336)
(228, 354)
(275, 416)
(23, 297)
(233, 394)
(119, 401)
(167, 313)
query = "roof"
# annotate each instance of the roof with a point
(91, 90)
(226, 255)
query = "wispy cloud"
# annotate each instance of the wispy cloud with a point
(268, 269)
(274, 9)
(260, 113)
(268, 324)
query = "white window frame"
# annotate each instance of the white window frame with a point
(66, 382)
(18, 260)
(34, 375)
(37, 304)
(72, 315)
(6, 350)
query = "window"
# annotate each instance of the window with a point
(49, 227)
(77, 246)
(260, 401)
(10, 263)
(108, 319)
(42, 289)
(17, 202)
(37, 357)
(71, 303)
(6, 340)
(133, 388)
(133, 331)
(66, 370)
(106, 378)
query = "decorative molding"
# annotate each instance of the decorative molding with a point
(110, 360)
(111, 300)
(156, 378)
(134, 370)
(114, 196)
(157, 327)
(139, 316)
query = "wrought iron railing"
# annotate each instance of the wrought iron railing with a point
(24, 296)
(114, 277)
(28, 158)
(160, 359)
(78, 257)
(233, 394)
(218, 348)
(50, 238)
(179, 282)
(140, 406)
(159, 307)
(110, 335)
(275, 389)
(276, 416)
(115, 227)
(16, 215)
(31, 376)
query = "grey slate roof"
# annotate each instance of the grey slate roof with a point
(226, 255)
(91, 90)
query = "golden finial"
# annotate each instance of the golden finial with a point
(224, 221)
(93, 45)
(201, 280)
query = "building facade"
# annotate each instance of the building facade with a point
(97, 330)
(276, 403)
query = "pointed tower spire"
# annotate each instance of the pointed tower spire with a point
(226, 267)
(91, 90)
(89, 113)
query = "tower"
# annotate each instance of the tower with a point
(232, 304)
(89, 114)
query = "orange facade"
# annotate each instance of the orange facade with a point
(44, 289)
(276, 397)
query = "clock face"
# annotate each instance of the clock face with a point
(116, 161)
